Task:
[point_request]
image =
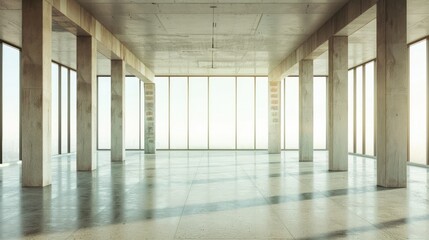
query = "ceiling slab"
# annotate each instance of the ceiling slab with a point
(174, 36)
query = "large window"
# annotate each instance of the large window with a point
(292, 113)
(132, 113)
(261, 123)
(103, 117)
(10, 92)
(369, 109)
(319, 112)
(361, 109)
(245, 112)
(55, 97)
(73, 110)
(282, 113)
(198, 113)
(162, 112)
(222, 112)
(418, 103)
(351, 112)
(178, 113)
(64, 109)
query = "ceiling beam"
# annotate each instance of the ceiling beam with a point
(75, 19)
(350, 18)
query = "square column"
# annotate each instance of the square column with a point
(149, 118)
(306, 110)
(337, 98)
(86, 103)
(36, 93)
(118, 111)
(274, 124)
(392, 93)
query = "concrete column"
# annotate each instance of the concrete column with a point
(338, 124)
(306, 110)
(36, 93)
(149, 118)
(392, 93)
(86, 103)
(274, 123)
(118, 111)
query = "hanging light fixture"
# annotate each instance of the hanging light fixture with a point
(213, 33)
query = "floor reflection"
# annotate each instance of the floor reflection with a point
(218, 194)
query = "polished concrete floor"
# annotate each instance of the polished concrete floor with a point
(213, 195)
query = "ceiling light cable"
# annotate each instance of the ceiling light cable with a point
(213, 33)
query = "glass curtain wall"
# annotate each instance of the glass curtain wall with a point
(212, 112)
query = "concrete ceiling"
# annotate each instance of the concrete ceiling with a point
(173, 37)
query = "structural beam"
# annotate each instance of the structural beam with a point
(337, 95)
(274, 114)
(74, 18)
(350, 18)
(149, 118)
(306, 110)
(86, 103)
(392, 93)
(118, 110)
(36, 93)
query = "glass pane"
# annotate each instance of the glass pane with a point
(369, 108)
(178, 112)
(198, 113)
(262, 113)
(55, 109)
(64, 109)
(292, 113)
(418, 98)
(132, 113)
(104, 88)
(142, 115)
(73, 109)
(350, 108)
(245, 113)
(359, 110)
(319, 112)
(222, 112)
(282, 112)
(161, 108)
(11, 79)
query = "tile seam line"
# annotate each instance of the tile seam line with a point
(187, 196)
(268, 203)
